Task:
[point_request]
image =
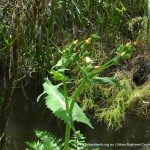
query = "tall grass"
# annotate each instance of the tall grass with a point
(39, 27)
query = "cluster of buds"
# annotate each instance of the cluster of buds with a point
(125, 51)
(87, 59)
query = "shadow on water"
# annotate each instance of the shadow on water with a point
(136, 132)
(27, 116)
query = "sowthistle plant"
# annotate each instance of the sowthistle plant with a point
(63, 105)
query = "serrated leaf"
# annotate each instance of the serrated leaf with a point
(46, 142)
(79, 116)
(55, 101)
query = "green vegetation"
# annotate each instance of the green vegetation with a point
(65, 107)
(87, 49)
(49, 142)
(121, 100)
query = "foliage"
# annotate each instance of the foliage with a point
(114, 102)
(32, 38)
(46, 142)
(143, 34)
(77, 142)
(65, 107)
(114, 113)
(56, 102)
(141, 97)
(49, 142)
(38, 28)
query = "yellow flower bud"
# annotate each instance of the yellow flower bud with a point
(128, 45)
(75, 42)
(122, 54)
(88, 41)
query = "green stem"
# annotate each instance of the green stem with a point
(66, 96)
(67, 137)
(76, 95)
(104, 67)
(67, 132)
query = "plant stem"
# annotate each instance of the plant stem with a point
(74, 98)
(76, 94)
(105, 66)
(67, 132)
(66, 96)
(67, 137)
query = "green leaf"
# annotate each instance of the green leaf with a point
(46, 142)
(35, 145)
(66, 53)
(67, 62)
(85, 54)
(77, 142)
(55, 101)
(63, 69)
(59, 63)
(106, 80)
(79, 116)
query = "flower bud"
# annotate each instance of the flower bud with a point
(78, 51)
(128, 45)
(75, 42)
(88, 41)
(88, 60)
(96, 67)
(122, 54)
